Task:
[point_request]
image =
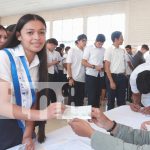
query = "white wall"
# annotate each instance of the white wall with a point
(137, 21)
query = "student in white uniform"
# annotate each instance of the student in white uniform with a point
(115, 65)
(76, 71)
(93, 61)
(53, 58)
(140, 86)
(23, 55)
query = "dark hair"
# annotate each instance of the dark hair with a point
(59, 49)
(145, 47)
(115, 35)
(67, 48)
(81, 37)
(11, 27)
(13, 42)
(143, 82)
(43, 71)
(2, 28)
(52, 41)
(62, 45)
(100, 38)
(128, 46)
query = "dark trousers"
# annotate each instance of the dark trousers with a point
(10, 133)
(53, 77)
(93, 88)
(128, 91)
(119, 93)
(76, 93)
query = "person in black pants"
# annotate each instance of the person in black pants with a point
(76, 71)
(115, 67)
(93, 61)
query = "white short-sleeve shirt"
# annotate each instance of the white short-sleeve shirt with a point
(64, 61)
(74, 57)
(5, 72)
(94, 56)
(116, 57)
(51, 56)
(145, 98)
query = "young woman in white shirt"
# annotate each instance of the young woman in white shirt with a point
(26, 48)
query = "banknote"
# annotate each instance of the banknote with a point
(81, 112)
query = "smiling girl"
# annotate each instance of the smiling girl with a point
(25, 51)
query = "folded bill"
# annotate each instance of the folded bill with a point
(81, 112)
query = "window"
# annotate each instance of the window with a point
(47, 30)
(106, 25)
(66, 31)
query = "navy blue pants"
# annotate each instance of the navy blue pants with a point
(93, 88)
(119, 93)
(10, 134)
(77, 93)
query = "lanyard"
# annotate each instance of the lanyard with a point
(29, 78)
(16, 84)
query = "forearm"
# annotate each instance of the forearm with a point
(100, 140)
(65, 66)
(87, 64)
(29, 129)
(50, 64)
(108, 73)
(136, 97)
(69, 71)
(130, 135)
(17, 112)
(107, 70)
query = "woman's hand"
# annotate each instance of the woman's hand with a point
(143, 125)
(81, 128)
(54, 110)
(30, 145)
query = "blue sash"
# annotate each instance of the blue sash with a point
(16, 84)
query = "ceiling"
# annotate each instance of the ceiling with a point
(14, 7)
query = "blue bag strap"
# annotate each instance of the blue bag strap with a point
(29, 78)
(16, 84)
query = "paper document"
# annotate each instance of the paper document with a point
(81, 112)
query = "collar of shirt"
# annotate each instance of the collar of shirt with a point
(77, 48)
(113, 47)
(97, 47)
(19, 51)
(51, 52)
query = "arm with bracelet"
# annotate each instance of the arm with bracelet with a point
(120, 137)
